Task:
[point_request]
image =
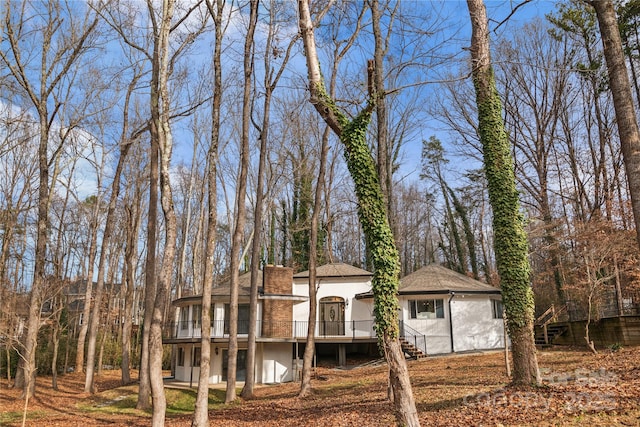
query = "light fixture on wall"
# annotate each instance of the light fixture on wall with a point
(216, 351)
(346, 302)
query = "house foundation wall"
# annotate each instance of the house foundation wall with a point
(604, 332)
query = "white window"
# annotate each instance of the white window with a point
(426, 309)
(496, 308)
(197, 316)
(184, 318)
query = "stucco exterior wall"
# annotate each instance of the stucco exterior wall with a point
(277, 363)
(470, 317)
(473, 325)
(186, 373)
(436, 331)
(344, 288)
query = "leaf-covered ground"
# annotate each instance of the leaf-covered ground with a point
(470, 389)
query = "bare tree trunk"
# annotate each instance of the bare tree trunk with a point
(587, 338)
(127, 324)
(270, 83)
(151, 283)
(8, 354)
(55, 70)
(100, 363)
(106, 241)
(131, 252)
(328, 212)
(247, 390)
(144, 391)
(88, 295)
(309, 350)
(201, 412)
(240, 205)
(622, 100)
(161, 131)
(131, 245)
(384, 166)
(35, 298)
(55, 340)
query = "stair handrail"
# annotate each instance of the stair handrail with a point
(551, 309)
(551, 315)
(407, 331)
(554, 316)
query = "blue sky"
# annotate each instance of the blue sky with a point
(497, 12)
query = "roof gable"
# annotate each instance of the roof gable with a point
(437, 279)
(337, 269)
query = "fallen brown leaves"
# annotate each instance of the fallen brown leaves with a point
(471, 389)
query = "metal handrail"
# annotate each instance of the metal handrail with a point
(273, 329)
(410, 334)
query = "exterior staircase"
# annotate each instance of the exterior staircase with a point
(553, 331)
(411, 350)
(547, 327)
(414, 343)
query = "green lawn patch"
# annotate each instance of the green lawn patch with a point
(16, 416)
(123, 400)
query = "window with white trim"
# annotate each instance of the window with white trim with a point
(243, 318)
(496, 309)
(184, 318)
(426, 309)
(196, 316)
(180, 356)
(196, 357)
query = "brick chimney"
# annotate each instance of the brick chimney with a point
(277, 314)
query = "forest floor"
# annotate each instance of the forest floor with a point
(458, 390)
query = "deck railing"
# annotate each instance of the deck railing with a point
(274, 329)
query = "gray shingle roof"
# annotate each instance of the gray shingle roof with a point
(337, 269)
(437, 279)
(244, 285)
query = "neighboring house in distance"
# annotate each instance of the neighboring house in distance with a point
(344, 320)
(113, 303)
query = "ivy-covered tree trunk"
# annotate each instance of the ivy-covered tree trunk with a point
(510, 240)
(372, 213)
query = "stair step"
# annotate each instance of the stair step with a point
(552, 332)
(411, 349)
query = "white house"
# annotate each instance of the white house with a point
(344, 319)
(446, 311)
(345, 324)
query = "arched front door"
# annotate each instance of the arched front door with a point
(332, 316)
